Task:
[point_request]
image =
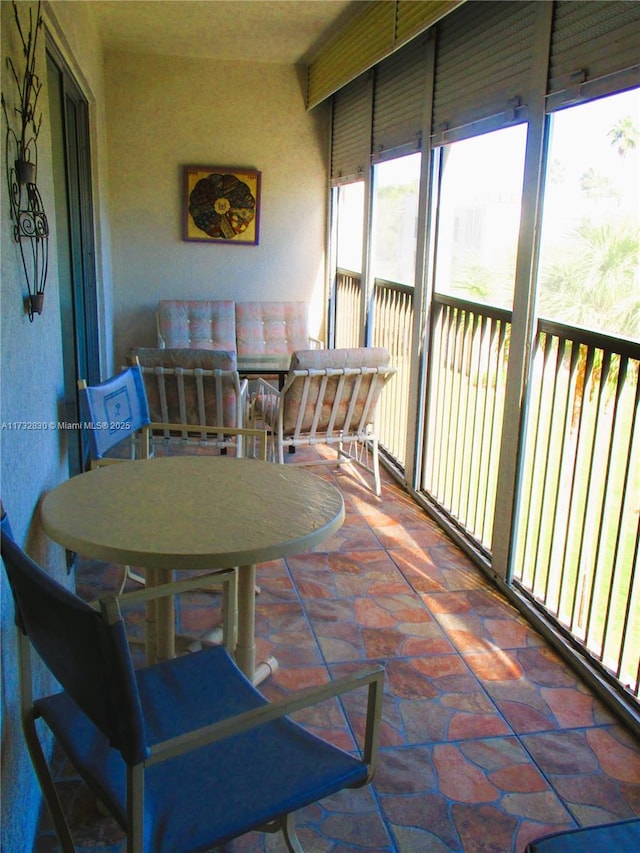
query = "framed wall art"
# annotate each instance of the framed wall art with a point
(221, 204)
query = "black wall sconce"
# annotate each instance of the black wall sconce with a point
(30, 228)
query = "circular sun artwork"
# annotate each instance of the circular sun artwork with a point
(222, 206)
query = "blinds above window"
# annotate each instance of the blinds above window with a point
(488, 56)
(591, 41)
(383, 27)
(351, 133)
(399, 98)
(414, 18)
(362, 43)
(484, 58)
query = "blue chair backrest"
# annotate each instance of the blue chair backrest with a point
(5, 524)
(89, 657)
(114, 410)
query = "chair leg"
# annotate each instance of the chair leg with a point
(290, 837)
(279, 441)
(129, 574)
(285, 825)
(376, 465)
(47, 785)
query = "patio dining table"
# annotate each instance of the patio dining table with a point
(264, 365)
(194, 512)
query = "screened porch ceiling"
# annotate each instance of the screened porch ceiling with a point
(284, 31)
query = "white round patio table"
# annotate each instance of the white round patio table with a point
(194, 512)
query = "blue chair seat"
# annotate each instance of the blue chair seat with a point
(620, 837)
(259, 774)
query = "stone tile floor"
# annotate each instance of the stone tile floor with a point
(488, 741)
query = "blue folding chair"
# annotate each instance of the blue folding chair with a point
(185, 754)
(114, 410)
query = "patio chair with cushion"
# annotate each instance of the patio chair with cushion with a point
(193, 387)
(272, 328)
(186, 754)
(196, 323)
(329, 397)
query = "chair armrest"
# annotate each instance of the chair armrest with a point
(264, 387)
(374, 677)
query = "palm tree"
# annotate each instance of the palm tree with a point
(596, 185)
(592, 281)
(624, 134)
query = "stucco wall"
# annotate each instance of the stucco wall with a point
(33, 460)
(167, 112)
(30, 376)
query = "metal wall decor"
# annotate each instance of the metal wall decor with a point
(30, 229)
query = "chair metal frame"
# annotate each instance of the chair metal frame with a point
(259, 712)
(205, 385)
(326, 389)
(258, 436)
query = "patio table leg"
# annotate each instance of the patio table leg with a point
(151, 620)
(246, 646)
(160, 621)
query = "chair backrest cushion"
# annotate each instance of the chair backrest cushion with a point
(113, 410)
(343, 394)
(274, 328)
(190, 386)
(319, 359)
(89, 658)
(197, 323)
(187, 358)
